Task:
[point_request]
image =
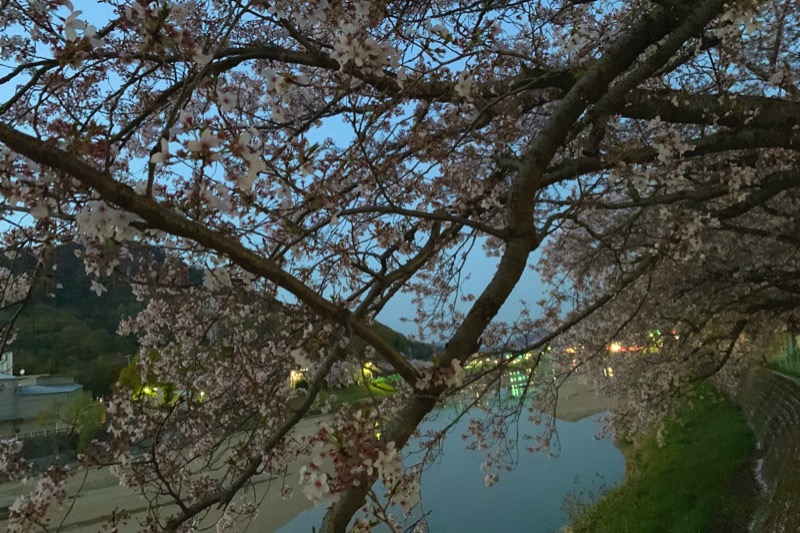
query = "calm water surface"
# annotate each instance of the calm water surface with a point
(529, 499)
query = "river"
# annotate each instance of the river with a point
(529, 499)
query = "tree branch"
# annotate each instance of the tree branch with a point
(162, 218)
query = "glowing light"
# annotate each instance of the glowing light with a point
(296, 375)
(615, 347)
(366, 370)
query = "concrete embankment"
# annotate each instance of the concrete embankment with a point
(772, 404)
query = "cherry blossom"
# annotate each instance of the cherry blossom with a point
(97, 288)
(205, 143)
(227, 100)
(316, 488)
(161, 156)
(270, 176)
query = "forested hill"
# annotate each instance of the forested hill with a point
(410, 348)
(67, 328)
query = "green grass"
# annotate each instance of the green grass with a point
(697, 482)
(351, 394)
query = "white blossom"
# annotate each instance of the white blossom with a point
(97, 288)
(163, 155)
(72, 24)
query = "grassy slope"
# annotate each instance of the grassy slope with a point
(697, 482)
(351, 394)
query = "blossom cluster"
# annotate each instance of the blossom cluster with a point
(15, 286)
(29, 511)
(11, 463)
(433, 376)
(98, 219)
(349, 444)
(363, 51)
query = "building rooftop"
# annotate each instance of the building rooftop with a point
(33, 390)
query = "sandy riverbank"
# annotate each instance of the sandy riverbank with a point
(577, 400)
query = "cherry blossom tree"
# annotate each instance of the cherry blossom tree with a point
(314, 159)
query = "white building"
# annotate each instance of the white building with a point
(23, 399)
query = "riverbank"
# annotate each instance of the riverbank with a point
(577, 400)
(101, 493)
(699, 480)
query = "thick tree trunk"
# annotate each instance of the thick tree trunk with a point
(402, 426)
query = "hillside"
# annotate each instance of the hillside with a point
(66, 328)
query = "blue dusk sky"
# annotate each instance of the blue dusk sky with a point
(478, 270)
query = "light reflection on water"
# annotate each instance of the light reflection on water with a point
(530, 499)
